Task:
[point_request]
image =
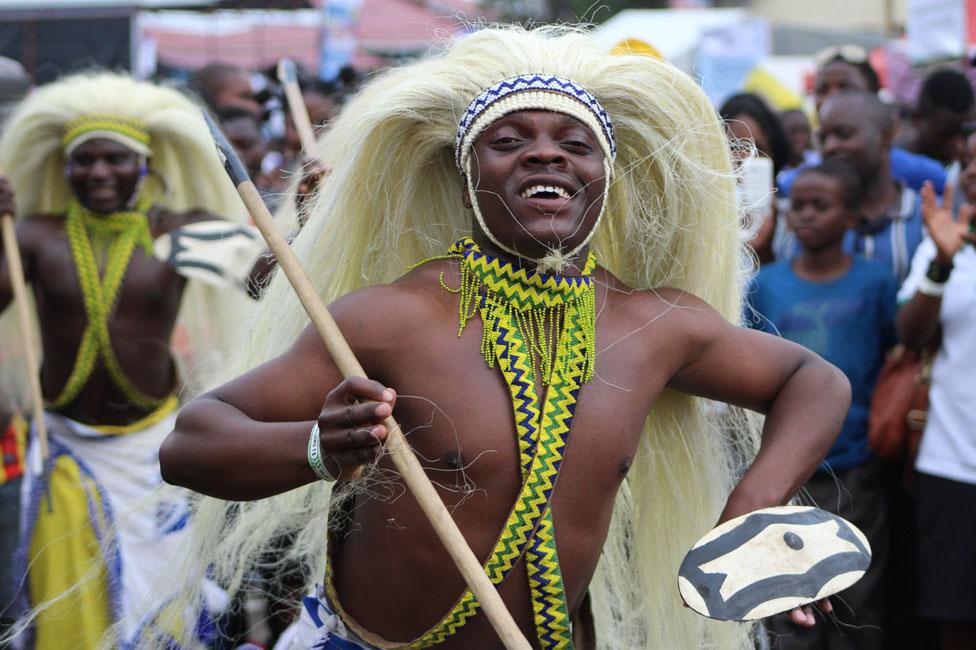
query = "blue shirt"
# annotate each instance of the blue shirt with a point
(890, 239)
(849, 321)
(912, 169)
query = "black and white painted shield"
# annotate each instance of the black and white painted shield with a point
(770, 561)
(219, 253)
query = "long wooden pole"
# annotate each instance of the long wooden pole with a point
(396, 444)
(288, 76)
(15, 269)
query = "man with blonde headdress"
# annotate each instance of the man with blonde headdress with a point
(102, 166)
(541, 189)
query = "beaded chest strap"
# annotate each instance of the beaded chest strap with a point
(124, 231)
(538, 330)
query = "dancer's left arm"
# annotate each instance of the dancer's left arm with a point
(804, 398)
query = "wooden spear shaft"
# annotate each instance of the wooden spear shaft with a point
(15, 269)
(396, 444)
(288, 76)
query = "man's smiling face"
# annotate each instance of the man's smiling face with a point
(103, 175)
(539, 178)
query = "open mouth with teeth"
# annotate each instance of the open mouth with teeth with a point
(545, 192)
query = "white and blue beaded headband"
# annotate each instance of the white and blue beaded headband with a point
(528, 92)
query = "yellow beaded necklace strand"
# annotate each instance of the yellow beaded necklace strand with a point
(535, 326)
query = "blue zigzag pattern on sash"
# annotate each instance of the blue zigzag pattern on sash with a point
(523, 398)
(108, 545)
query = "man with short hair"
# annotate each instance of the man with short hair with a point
(942, 115)
(845, 69)
(856, 128)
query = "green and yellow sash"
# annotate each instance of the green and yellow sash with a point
(123, 231)
(539, 331)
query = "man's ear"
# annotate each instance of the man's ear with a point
(465, 195)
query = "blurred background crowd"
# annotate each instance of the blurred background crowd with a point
(852, 124)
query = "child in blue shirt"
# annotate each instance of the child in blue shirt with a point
(841, 306)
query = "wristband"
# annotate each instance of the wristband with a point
(315, 456)
(938, 272)
(929, 287)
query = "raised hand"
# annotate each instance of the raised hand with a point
(351, 429)
(948, 234)
(314, 172)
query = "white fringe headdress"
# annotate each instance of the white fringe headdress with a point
(185, 173)
(394, 198)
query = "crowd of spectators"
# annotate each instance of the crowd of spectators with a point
(255, 117)
(865, 246)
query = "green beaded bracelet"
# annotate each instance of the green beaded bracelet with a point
(315, 457)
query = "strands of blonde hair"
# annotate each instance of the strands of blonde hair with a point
(394, 198)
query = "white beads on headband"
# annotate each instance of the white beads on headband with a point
(532, 92)
(528, 101)
(526, 93)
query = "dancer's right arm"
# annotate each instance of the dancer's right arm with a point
(248, 438)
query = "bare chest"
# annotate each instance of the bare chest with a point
(149, 290)
(460, 415)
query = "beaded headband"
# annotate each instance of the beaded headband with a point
(535, 92)
(532, 92)
(128, 132)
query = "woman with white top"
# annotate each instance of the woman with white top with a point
(939, 299)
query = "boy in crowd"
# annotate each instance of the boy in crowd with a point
(841, 306)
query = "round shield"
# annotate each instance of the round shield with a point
(770, 561)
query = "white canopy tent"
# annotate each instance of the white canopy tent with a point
(676, 33)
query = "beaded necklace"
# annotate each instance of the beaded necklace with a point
(124, 231)
(539, 330)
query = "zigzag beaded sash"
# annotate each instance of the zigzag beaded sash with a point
(505, 294)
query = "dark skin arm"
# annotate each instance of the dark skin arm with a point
(265, 416)
(918, 319)
(8, 205)
(770, 375)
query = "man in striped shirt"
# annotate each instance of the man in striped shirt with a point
(858, 129)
